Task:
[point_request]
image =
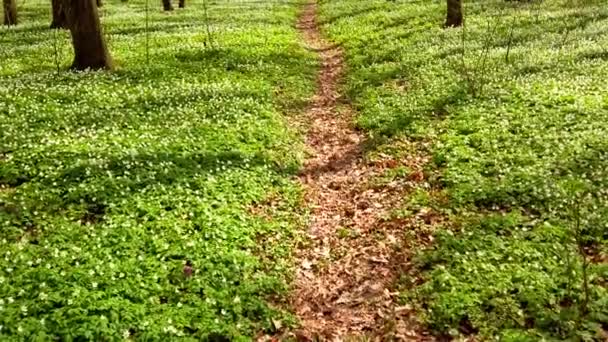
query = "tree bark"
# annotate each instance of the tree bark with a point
(182, 3)
(454, 14)
(10, 12)
(167, 5)
(59, 19)
(90, 50)
(99, 3)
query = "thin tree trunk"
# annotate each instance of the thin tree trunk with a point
(90, 50)
(99, 3)
(10, 12)
(182, 3)
(59, 19)
(167, 5)
(454, 14)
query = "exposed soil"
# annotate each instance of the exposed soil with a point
(347, 274)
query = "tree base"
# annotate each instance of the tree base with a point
(58, 25)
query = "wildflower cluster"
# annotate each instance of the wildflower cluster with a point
(515, 104)
(112, 183)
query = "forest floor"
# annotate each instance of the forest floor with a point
(346, 276)
(111, 183)
(513, 125)
(307, 170)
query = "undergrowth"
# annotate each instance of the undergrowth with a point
(515, 104)
(126, 197)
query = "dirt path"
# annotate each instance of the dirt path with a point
(346, 276)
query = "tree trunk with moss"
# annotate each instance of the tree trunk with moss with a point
(90, 50)
(59, 20)
(10, 12)
(454, 14)
(167, 5)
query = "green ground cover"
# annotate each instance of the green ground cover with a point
(517, 112)
(112, 184)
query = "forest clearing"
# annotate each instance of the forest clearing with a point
(304, 170)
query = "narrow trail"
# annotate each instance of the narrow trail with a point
(346, 276)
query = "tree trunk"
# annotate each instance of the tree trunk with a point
(59, 20)
(167, 5)
(90, 50)
(182, 3)
(99, 3)
(454, 15)
(10, 12)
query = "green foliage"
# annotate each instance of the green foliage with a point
(111, 182)
(504, 273)
(518, 112)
